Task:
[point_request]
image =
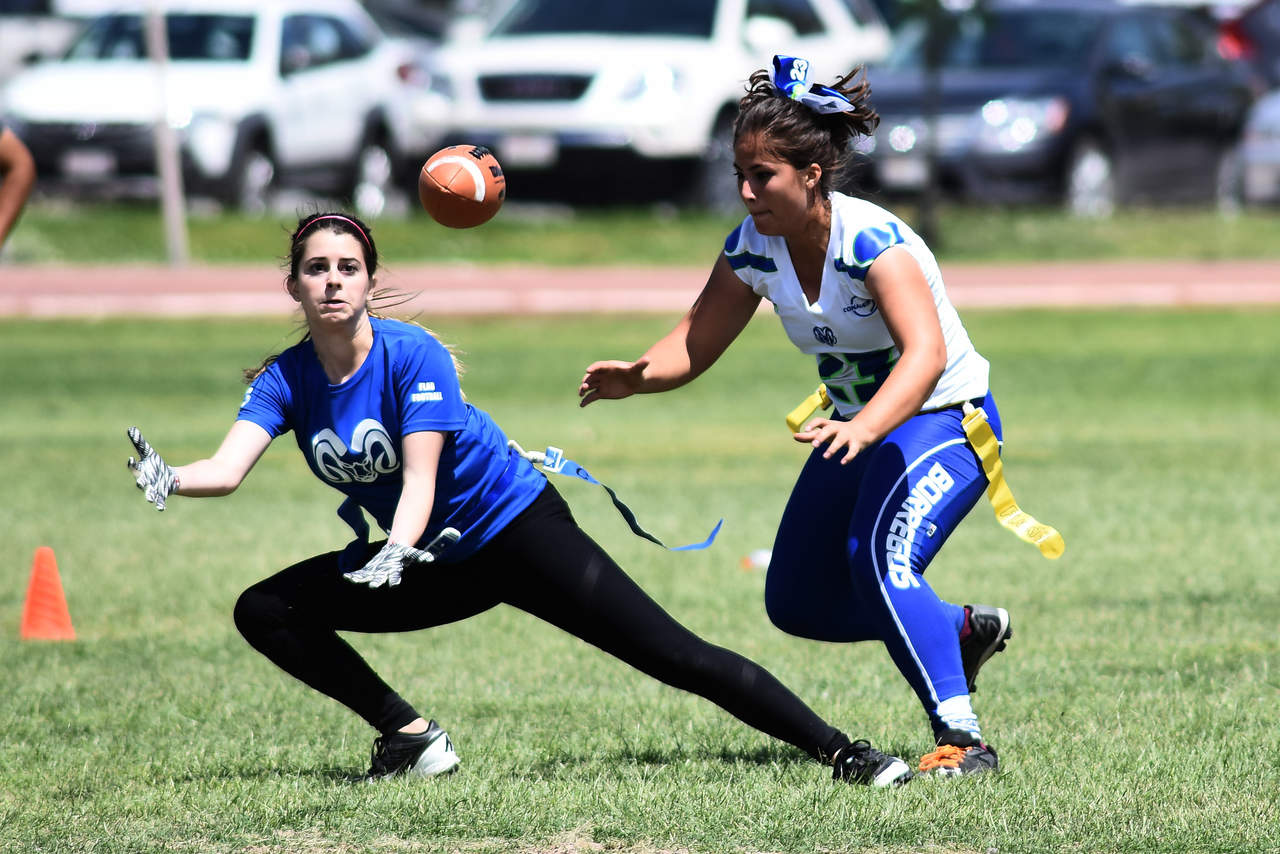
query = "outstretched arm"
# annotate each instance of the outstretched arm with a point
(220, 474)
(17, 177)
(718, 315)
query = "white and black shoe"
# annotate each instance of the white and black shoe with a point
(421, 754)
(861, 763)
(989, 633)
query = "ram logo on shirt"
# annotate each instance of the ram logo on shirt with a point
(371, 453)
(426, 392)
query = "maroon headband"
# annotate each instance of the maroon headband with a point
(350, 222)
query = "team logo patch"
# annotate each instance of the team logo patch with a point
(861, 306)
(825, 335)
(371, 453)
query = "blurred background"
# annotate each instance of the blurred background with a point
(253, 105)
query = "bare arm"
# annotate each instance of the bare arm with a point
(721, 311)
(901, 291)
(220, 474)
(420, 455)
(421, 460)
(17, 177)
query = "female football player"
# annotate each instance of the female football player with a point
(376, 408)
(890, 475)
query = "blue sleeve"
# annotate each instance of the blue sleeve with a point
(871, 241)
(427, 388)
(266, 402)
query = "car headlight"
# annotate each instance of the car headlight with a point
(655, 82)
(1010, 125)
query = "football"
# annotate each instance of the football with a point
(462, 186)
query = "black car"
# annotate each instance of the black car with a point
(1090, 102)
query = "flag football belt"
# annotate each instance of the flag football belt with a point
(984, 443)
(553, 460)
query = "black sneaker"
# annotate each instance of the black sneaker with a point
(989, 630)
(861, 763)
(422, 754)
(958, 754)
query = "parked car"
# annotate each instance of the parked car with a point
(626, 97)
(261, 94)
(1090, 102)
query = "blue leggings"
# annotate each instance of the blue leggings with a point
(850, 554)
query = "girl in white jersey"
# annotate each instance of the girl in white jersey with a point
(891, 474)
(376, 409)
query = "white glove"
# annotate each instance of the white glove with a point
(153, 475)
(387, 565)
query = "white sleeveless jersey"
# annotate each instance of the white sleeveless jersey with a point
(844, 328)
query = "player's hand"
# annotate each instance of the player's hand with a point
(612, 380)
(836, 435)
(388, 564)
(153, 475)
(383, 568)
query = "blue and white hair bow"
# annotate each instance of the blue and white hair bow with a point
(791, 77)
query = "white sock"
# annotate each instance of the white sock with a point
(957, 713)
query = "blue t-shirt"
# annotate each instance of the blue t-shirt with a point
(351, 434)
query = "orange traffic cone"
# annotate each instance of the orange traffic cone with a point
(44, 614)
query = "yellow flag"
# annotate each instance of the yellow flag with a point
(983, 440)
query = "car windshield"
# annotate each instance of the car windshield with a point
(614, 17)
(222, 38)
(1031, 38)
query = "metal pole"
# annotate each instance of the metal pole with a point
(168, 166)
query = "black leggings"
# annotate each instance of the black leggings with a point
(542, 563)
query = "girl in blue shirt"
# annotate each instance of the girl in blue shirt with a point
(376, 409)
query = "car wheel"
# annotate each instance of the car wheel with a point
(251, 181)
(714, 184)
(374, 179)
(1090, 182)
(1229, 182)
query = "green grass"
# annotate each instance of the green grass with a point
(57, 234)
(1134, 710)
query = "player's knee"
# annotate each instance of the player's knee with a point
(256, 611)
(788, 614)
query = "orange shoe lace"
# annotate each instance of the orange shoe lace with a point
(946, 756)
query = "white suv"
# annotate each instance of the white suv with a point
(261, 94)
(600, 91)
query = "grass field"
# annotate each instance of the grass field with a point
(1135, 710)
(57, 234)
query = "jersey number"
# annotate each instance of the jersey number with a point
(855, 377)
